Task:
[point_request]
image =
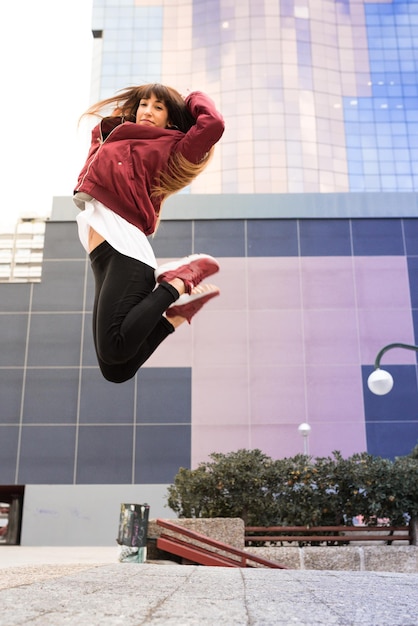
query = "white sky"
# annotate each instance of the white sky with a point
(46, 54)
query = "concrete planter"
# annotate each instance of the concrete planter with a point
(378, 558)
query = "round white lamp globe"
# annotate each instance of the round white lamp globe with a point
(380, 382)
(304, 429)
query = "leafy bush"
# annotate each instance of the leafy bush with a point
(298, 490)
(233, 485)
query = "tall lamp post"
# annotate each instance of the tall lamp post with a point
(380, 381)
(304, 429)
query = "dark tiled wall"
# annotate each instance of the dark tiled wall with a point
(62, 423)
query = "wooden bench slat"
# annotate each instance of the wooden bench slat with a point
(339, 534)
(311, 529)
(335, 538)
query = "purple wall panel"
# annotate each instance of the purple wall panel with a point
(284, 440)
(220, 338)
(274, 283)
(232, 280)
(382, 282)
(277, 395)
(331, 336)
(176, 351)
(378, 328)
(346, 437)
(334, 393)
(224, 439)
(277, 440)
(284, 344)
(275, 338)
(220, 395)
(325, 289)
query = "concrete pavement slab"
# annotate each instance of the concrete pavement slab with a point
(133, 594)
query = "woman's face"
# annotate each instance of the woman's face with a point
(152, 112)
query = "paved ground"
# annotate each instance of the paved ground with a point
(89, 587)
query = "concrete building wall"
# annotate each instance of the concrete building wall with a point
(305, 306)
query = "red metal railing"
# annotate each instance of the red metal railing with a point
(212, 552)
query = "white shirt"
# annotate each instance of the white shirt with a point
(120, 234)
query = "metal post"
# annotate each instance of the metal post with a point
(305, 429)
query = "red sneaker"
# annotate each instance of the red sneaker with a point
(191, 270)
(189, 304)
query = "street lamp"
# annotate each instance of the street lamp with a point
(380, 382)
(304, 429)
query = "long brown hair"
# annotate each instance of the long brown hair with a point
(180, 172)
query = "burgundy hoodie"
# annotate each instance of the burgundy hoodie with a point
(121, 169)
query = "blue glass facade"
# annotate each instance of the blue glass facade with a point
(382, 129)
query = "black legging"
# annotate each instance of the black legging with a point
(127, 316)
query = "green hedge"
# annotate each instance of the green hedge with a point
(298, 490)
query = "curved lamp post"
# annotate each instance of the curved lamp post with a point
(380, 382)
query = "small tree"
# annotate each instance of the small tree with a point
(298, 491)
(413, 454)
(237, 484)
(404, 496)
(301, 492)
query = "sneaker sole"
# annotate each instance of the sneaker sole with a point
(175, 265)
(187, 298)
(182, 311)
